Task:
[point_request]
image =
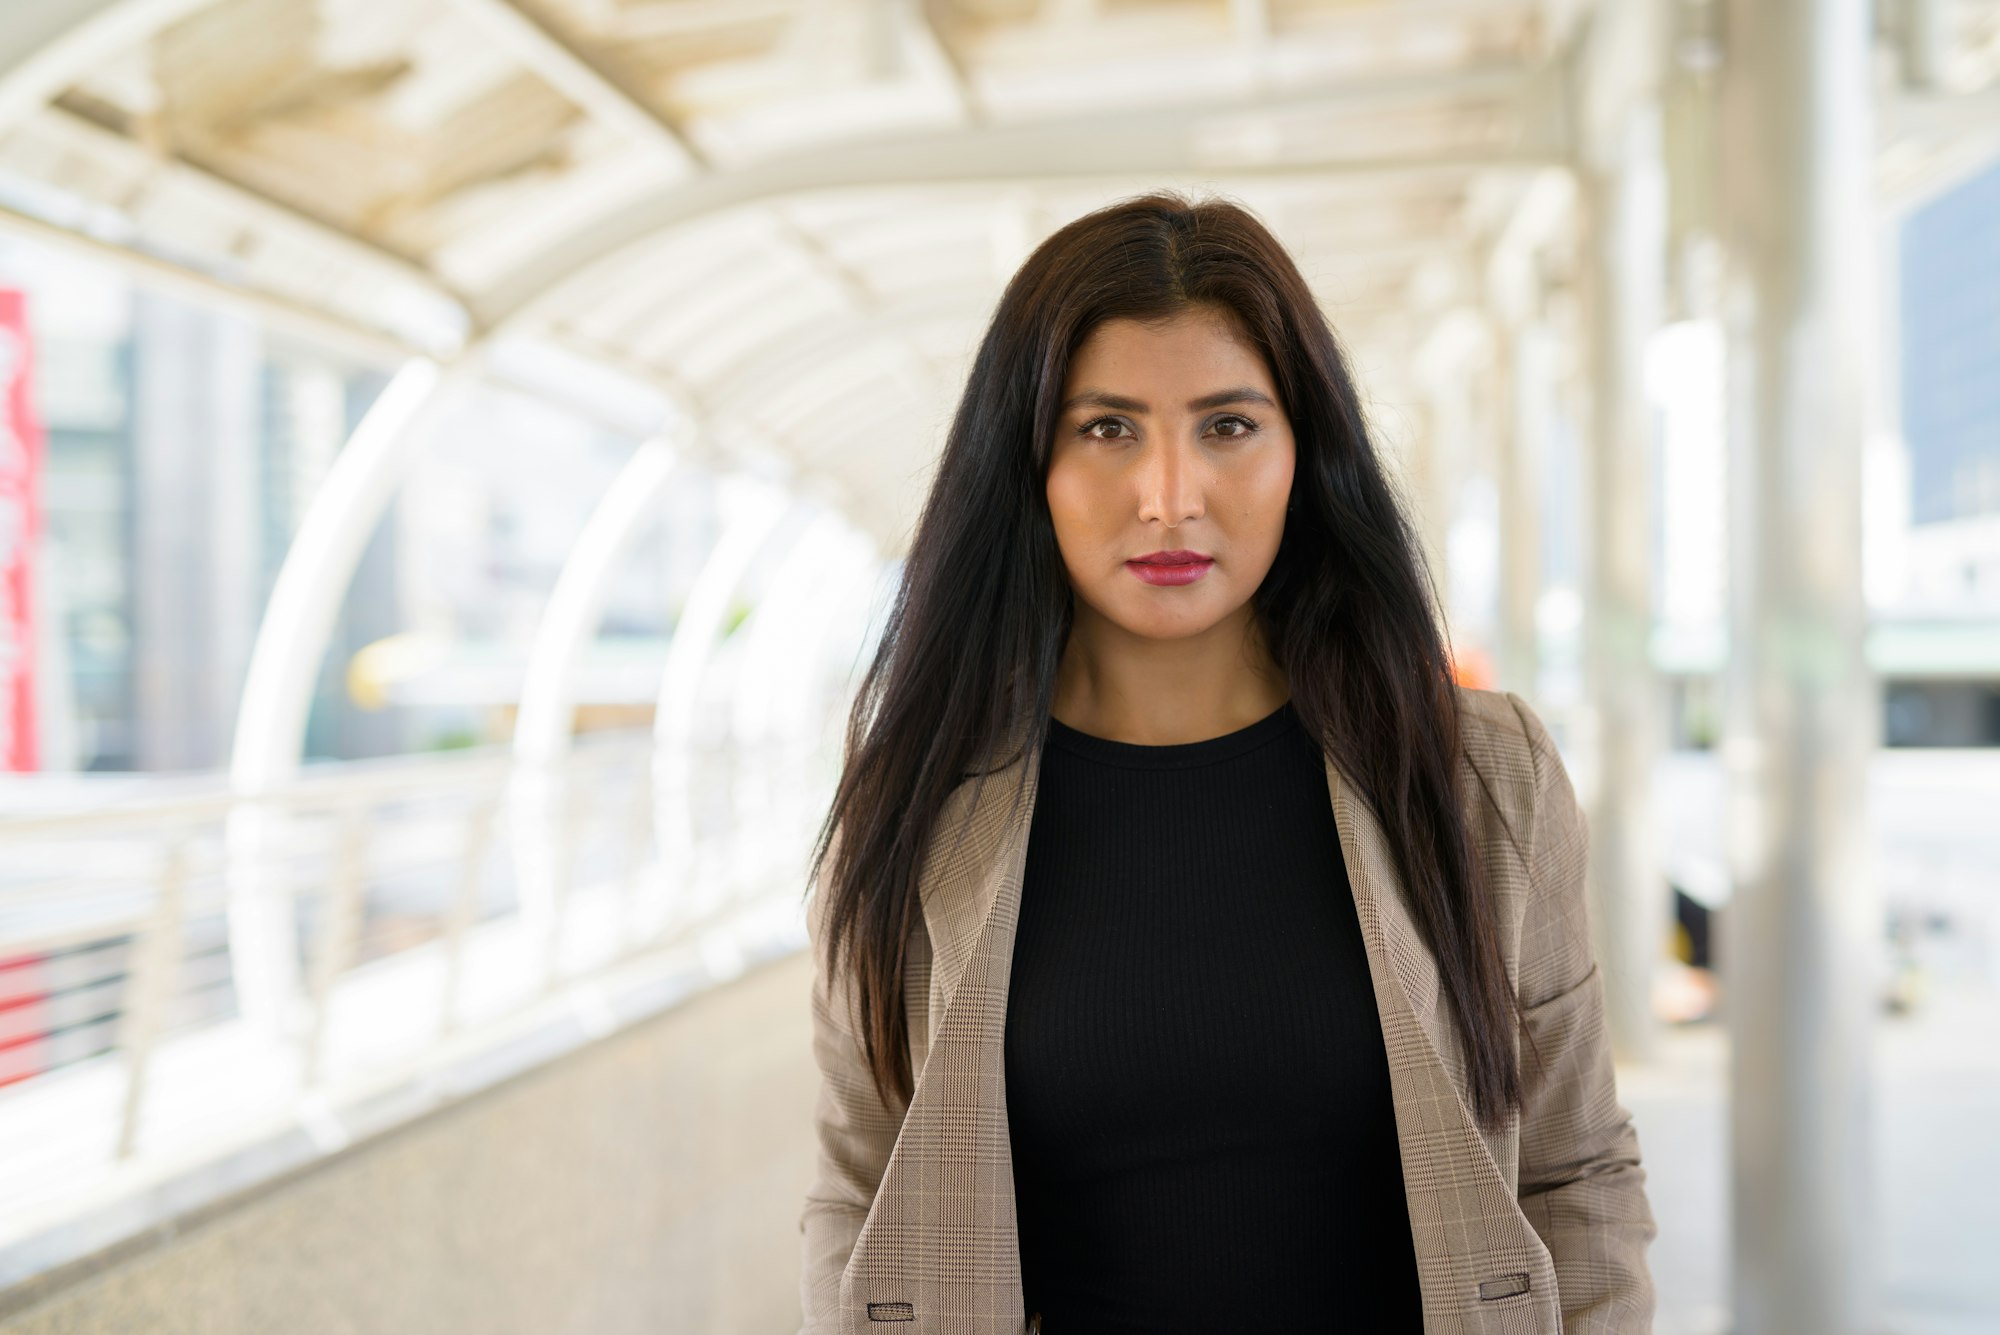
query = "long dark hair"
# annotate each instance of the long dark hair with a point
(968, 653)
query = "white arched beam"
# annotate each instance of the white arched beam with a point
(802, 714)
(292, 637)
(538, 791)
(284, 663)
(779, 661)
(569, 622)
(529, 40)
(762, 519)
(47, 45)
(1195, 141)
(808, 344)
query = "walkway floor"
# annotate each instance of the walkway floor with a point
(1937, 1171)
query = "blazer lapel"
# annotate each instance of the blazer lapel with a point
(975, 869)
(1467, 1228)
(941, 1241)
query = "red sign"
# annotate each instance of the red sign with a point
(20, 528)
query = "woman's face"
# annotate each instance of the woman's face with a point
(1171, 441)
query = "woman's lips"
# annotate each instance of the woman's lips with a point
(1180, 573)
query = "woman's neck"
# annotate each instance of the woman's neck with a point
(1161, 692)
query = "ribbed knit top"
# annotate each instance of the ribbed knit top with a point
(1197, 1091)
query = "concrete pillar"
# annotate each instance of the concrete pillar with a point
(1518, 276)
(1802, 712)
(1421, 479)
(195, 569)
(1625, 210)
(1447, 366)
(1522, 380)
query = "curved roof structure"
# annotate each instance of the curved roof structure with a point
(791, 216)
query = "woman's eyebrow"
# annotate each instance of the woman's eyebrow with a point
(1098, 398)
(1240, 394)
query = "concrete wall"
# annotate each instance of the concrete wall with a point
(649, 1183)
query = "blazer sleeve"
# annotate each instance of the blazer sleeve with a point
(854, 1131)
(1581, 1184)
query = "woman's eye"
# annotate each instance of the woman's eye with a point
(1104, 428)
(1234, 426)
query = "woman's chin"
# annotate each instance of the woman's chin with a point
(1174, 624)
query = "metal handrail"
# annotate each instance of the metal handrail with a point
(395, 889)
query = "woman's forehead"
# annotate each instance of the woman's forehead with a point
(1197, 335)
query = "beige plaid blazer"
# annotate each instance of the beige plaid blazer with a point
(1540, 1226)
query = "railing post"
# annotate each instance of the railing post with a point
(464, 909)
(560, 877)
(337, 933)
(634, 833)
(152, 979)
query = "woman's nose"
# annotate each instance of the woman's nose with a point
(1170, 483)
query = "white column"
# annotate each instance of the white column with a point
(1450, 459)
(1798, 945)
(1626, 212)
(1523, 375)
(1524, 386)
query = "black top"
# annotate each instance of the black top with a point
(1197, 1090)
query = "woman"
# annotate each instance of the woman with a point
(1193, 954)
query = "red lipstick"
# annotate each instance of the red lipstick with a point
(1170, 568)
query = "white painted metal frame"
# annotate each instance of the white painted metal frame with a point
(45, 47)
(542, 732)
(1144, 148)
(182, 1114)
(538, 794)
(324, 327)
(692, 882)
(846, 591)
(779, 660)
(576, 78)
(284, 663)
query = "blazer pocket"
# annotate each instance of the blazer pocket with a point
(892, 1312)
(1505, 1286)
